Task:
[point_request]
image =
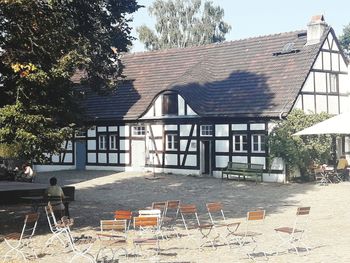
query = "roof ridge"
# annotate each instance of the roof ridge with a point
(226, 42)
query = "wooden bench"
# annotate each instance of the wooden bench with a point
(243, 169)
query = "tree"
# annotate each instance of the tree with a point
(299, 151)
(344, 39)
(183, 23)
(42, 44)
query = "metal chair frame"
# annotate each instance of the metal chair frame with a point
(218, 219)
(296, 234)
(22, 241)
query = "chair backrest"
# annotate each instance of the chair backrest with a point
(29, 226)
(302, 218)
(51, 219)
(150, 213)
(216, 213)
(116, 226)
(172, 209)
(123, 214)
(189, 216)
(144, 223)
(254, 219)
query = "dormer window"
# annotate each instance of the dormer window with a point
(170, 104)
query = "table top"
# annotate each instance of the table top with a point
(42, 198)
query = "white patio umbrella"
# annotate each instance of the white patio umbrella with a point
(339, 124)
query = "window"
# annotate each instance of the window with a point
(171, 142)
(206, 130)
(258, 143)
(139, 131)
(333, 83)
(240, 143)
(102, 142)
(170, 105)
(113, 142)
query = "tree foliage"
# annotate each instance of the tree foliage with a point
(42, 44)
(299, 151)
(344, 39)
(183, 23)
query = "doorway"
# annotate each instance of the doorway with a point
(206, 165)
(138, 157)
(80, 146)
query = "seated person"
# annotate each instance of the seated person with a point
(342, 167)
(26, 174)
(55, 195)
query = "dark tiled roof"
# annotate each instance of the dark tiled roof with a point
(244, 78)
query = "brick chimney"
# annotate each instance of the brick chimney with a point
(315, 29)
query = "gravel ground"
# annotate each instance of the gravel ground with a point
(99, 193)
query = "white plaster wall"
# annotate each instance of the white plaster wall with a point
(221, 145)
(124, 131)
(55, 158)
(274, 178)
(91, 132)
(257, 126)
(183, 144)
(157, 130)
(181, 105)
(170, 127)
(105, 168)
(309, 83)
(102, 158)
(185, 130)
(318, 63)
(344, 104)
(321, 103)
(333, 104)
(309, 103)
(277, 164)
(69, 145)
(124, 158)
(124, 145)
(191, 160)
(335, 62)
(68, 158)
(239, 159)
(326, 60)
(149, 113)
(221, 130)
(258, 160)
(102, 129)
(239, 127)
(221, 161)
(344, 83)
(91, 157)
(343, 66)
(270, 126)
(170, 159)
(113, 128)
(320, 82)
(50, 168)
(113, 158)
(158, 106)
(298, 104)
(159, 144)
(91, 144)
(190, 111)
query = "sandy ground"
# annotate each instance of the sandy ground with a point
(99, 193)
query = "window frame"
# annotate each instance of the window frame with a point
(333, 79)
(114, 140)
(138, 131)
(170, 104)
(259, 143)
(102, 142)
(241, 143)
(207, 130)
(172, 141)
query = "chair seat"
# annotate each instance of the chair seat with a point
(112, 242)
(145, 241)
(110, 235)
(288, 230)
(247, 234)
(14, 236)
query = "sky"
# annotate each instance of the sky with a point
(251, 18)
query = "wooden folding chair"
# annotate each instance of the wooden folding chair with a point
(148, 232)
(112, 237)
(291, 236)
(191, 222)
(218, 219)
(123, 215)
(254, 220)
(171, 215)
(20, 243)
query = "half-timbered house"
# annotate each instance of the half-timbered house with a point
(191, 110)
